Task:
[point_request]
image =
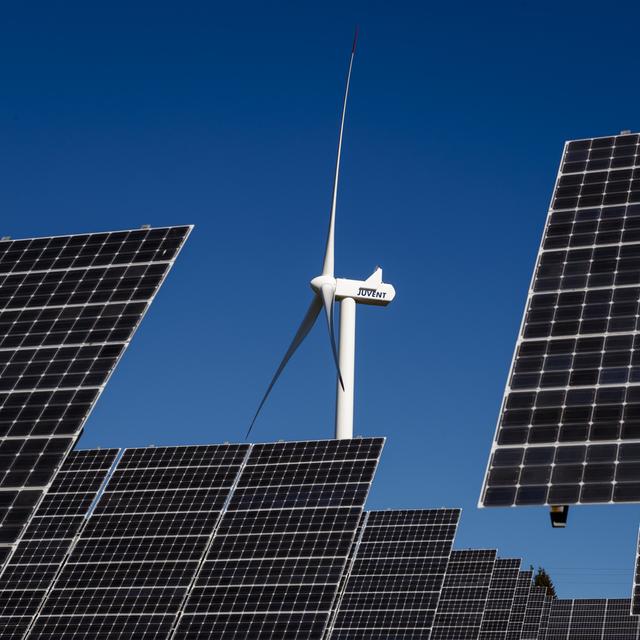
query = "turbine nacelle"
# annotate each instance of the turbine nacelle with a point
(370, 291)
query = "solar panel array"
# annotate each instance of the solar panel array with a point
(394, 583)
(44, 546)
(464, 595)
(569, 429)
(278, 557)
(592, 620)
(69, 305)
(497, 611)
(131, 569)
(270, 541)
(254, 541)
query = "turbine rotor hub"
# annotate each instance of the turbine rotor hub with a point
(318, 282)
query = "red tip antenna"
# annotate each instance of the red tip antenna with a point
(355, 41)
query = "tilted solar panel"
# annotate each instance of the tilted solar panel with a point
(69, 306)
(559, 620)
(43, 547)
(464, 595)
(131, 568)
(544, 617)
(502, 587)
(569, 428)
(635, 594)
(537, 602)
(519, 606)
(396, 578)
(277, 559)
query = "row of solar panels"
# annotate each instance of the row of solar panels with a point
(261, 541)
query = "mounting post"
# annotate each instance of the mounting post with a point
(346, 358)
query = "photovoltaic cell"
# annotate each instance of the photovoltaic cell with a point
(519, 606)
(277, 559)
(69, 305)
(569, 429)
(495, 621)
(48, 538)
(130, 570)
(395, 581)
(464, 595)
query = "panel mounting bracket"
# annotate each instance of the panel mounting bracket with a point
(559, 516)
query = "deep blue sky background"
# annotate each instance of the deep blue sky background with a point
(225, 116)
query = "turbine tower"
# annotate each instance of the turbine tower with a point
(327, 290)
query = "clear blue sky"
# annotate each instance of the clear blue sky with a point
(225, 115)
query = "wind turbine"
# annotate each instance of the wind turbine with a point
(328, 289)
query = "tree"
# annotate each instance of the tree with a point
(542, 579)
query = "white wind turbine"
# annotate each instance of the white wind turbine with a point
(327, 289)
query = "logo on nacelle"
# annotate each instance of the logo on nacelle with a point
(371, 293)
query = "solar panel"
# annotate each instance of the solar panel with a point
(48, 538)
(635, 594)
(464, 595)
(618, 624)
(277, 560)
(537, 602)
(502, 587)
(395, 581)
(69, 305)
(519, 606)
(544, 618)
(587, 620)
(559, 620)
(569, 428)
(591, 620)
(131, 568)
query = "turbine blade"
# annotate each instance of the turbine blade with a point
(304, 328)
(328, 265)
(328, 298)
